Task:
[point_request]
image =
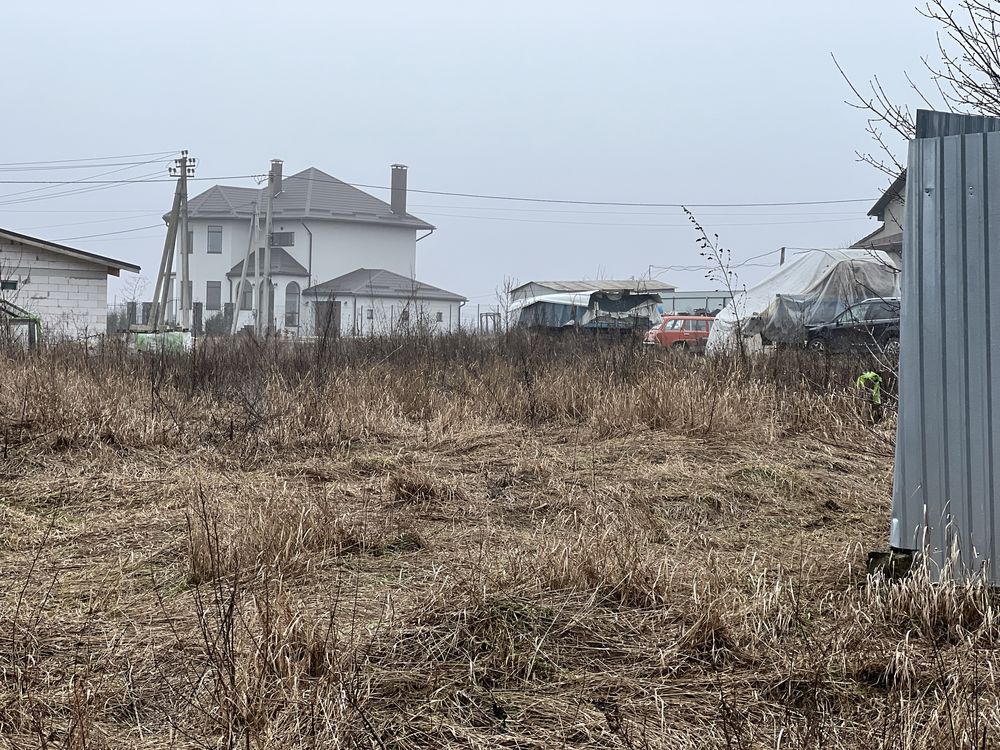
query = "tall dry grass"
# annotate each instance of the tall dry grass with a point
(464, 542)
(291, 395)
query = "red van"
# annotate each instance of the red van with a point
(681, 332)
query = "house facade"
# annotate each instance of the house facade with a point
(378, 302)
(890, 209)
(65, 288)
(322, 229)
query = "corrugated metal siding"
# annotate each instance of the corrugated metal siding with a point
(940, 124)
(946, 453)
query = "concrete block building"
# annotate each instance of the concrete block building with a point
(65, 288)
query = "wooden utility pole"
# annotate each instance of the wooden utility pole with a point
(182, 168)
(158, 312)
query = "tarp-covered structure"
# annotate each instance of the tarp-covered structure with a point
(814, 288)
(593, 309)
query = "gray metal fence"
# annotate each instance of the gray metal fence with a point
(948, 437)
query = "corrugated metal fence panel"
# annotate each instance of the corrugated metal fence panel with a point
(939, 124)
(948, 436)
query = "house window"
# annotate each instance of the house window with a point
(214, 240)
(439, 317)
(246, 298)
(292, 304)
(370, 313)
(282, 239)
(190, 241)
(8, 285)
(213, 295)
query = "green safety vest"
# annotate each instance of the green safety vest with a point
(875, 380)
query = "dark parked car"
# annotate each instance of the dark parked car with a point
(871, 324)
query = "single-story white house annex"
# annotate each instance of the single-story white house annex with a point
(66, 288)
(323, 230)
(374, 301)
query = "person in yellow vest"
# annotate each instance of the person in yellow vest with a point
(871, 382)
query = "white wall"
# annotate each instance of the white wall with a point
(337, 248)
(379, 316)
(894, 214)
(70, 295)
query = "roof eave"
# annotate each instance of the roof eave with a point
(114, 267)
(894, 191)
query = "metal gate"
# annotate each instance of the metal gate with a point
(948, 436)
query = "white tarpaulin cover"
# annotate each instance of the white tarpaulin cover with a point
(813, 288)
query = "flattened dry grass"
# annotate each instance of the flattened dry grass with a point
(464, 543)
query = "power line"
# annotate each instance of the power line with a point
(624, 213)
(92, 221)
(566, 201)
(108, 234)
(90, 158)
(153, 178)
(77, 191)
(76, 166)
(133, 238)
(118, 182)
(82, 180)
(635, 224)
(481, 196)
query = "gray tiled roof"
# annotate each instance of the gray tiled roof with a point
(309, 194)
(377, 282)
(282, 264)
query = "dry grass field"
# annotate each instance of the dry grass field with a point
(489, 543)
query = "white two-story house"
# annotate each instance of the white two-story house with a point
(322, 229)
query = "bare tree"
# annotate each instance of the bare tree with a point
(965, 76)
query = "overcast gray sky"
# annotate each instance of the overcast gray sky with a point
(665, 102)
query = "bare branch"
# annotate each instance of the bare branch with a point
(966, 76)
